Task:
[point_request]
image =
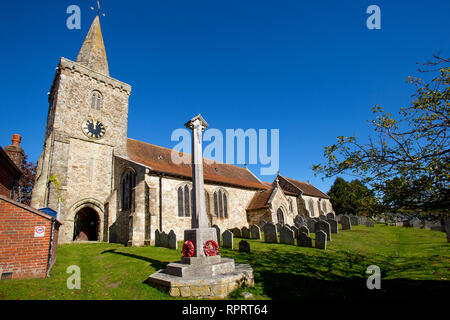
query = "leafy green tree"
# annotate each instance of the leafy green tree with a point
(352, 198)
(407, 160)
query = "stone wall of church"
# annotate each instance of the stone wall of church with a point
(238, 200)
(315, 205)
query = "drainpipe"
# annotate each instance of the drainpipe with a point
(50, 250)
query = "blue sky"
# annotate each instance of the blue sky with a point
(310, 69)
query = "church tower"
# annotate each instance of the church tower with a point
(86, 128)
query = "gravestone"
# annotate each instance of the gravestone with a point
(164, 240)
(322, 217)
(362, 220)
(346, 223)
(157, 238)
(245, 233)
(255, 232)
(325, 227)
(321, 240)
(236, 232)
(333, 225)
(311, 223)
(304, 240)
(227, 239)
(172, 240)
(295, 229)
(417, 223)
(261, 224)
(370, 223)
(244, 246)
(218, 233)
(354, 220)
(287, 235)
(279, 226)
(331, 216)
(299, 221)
(303, 229)
(270, 233)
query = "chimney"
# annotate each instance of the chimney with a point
(15, 152)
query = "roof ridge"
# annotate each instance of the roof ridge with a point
(218, 162)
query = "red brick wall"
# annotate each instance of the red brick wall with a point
(20, 252)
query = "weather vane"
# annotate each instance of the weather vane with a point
(98, 10)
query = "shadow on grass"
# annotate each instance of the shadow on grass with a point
(157, 264)
(287, 275)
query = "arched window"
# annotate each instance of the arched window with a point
(280, 216)
(208, 207)
(291, 206)
(184, 201)
(127, 186)
(324, 206)
(220, 204)
(311, 207)
(96, 100)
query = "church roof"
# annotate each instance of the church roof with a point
(260, 200)
(93, 54)
(159, 159)
(307, 188)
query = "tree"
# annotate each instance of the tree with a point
(352, 198)
(26, 182)
(413, 148)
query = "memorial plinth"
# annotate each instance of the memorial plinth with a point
(202, 274)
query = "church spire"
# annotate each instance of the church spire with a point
(92, 53)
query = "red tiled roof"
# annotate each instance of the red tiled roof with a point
(308, 189)
(260, 200)
(159, 159)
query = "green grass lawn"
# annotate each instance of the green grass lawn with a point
(414, 263)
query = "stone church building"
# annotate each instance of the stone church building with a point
(109, 187)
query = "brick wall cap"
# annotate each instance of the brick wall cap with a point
(28, 208)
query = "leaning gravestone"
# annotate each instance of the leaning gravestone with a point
(311, 223)
(346, 223)
(244, 246)
(299, 221)
(227, 239)
(304, 240)
(172, 240)
(321, 240)
(245, 233)
(287, 235)
(236, 232)
(218, 233)
(270, 232)
(331, 216)
(303, 229)
(325, 227)
(333, 225)
(255, 232)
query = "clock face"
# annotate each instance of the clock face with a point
(93, 129)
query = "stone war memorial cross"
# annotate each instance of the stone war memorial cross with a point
(201, 272)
